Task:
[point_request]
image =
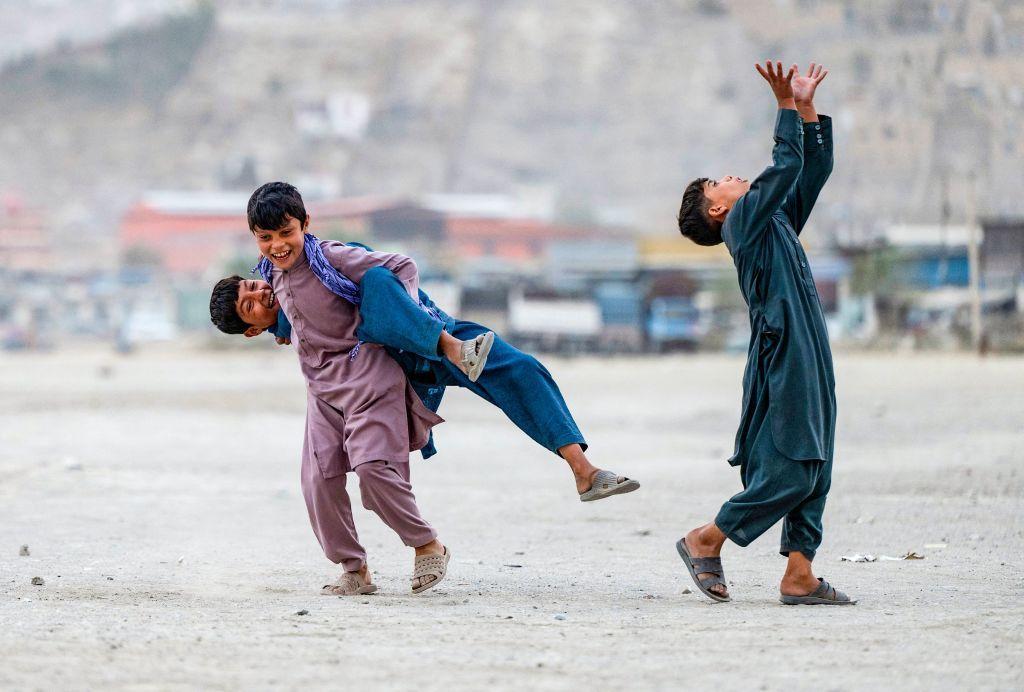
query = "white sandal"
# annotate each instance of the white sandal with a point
(473, 356)
(349, 584)
(430, 565)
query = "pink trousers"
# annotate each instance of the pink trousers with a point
(385, 490)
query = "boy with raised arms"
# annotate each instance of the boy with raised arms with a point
(784, 445)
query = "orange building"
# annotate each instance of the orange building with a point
(190, 231)
(515, 240)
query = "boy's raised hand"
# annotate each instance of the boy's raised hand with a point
(780, 82)
(804, 85)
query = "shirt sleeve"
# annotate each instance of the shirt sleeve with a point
(749, 217)
(816, 170)
(354, 262)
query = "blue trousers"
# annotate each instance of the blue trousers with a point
(514, 381)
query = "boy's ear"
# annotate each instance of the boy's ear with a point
(718, 211)
(252, 331)
(305, 224)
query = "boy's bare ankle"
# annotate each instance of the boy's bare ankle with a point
(450, 347)
(705, 540)
(435, 547)
(798, 584)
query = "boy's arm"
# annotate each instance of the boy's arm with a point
(817, 149)
(816, 170)
(748, 218)
(354, 262)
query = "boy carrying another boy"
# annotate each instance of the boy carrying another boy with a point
(785, 441)
(352, 301)
(362, 415)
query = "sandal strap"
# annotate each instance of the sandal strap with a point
(707, 565)
(347, 583)
(708, 582)
(827, 592)
(429, 565)
(606, 478)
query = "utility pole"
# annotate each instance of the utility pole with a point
(974, 264)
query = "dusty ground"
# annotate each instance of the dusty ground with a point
(159, 498)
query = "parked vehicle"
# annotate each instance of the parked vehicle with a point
(548, 321)
(674, 322)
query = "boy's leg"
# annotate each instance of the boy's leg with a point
(524, 390)
(330, 514)
(772, 486)
(387, 492)
(801, 536)
(521, 387)
(391, 317)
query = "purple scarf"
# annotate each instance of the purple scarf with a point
(332, 279)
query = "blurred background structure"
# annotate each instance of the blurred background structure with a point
(530, 155)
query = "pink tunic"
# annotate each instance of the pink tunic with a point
(363, 408)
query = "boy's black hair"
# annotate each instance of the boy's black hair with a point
(222, 306)
(271, 203)
(694, 222)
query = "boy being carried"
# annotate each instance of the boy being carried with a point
(785, 441)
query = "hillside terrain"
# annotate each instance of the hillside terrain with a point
(605, 108)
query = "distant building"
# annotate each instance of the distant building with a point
(25, 241)
(188, 232)
(514, 240)
(1002, 253)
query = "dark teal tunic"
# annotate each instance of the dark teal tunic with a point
(789, 363)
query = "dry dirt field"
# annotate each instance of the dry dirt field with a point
(158, 494)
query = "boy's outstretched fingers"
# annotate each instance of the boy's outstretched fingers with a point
(779, 82)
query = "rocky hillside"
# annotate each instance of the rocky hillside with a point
(608, 108)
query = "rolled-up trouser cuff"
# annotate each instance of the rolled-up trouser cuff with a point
(808, 553)
(733, 532)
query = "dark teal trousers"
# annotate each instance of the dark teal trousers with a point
(777, 487)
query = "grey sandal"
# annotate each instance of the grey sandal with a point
(825, 594)
(349, 584)
(474, 355)
(430, 565)
(606, 484)
(704, 565)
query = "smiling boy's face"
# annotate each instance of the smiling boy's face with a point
(282, 246)
(257, 306)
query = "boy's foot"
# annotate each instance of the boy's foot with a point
(823, 593)
(602, 484)
(698, 547)
(351, 584)
(800, 587)
(473, 355)
(429, 566)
